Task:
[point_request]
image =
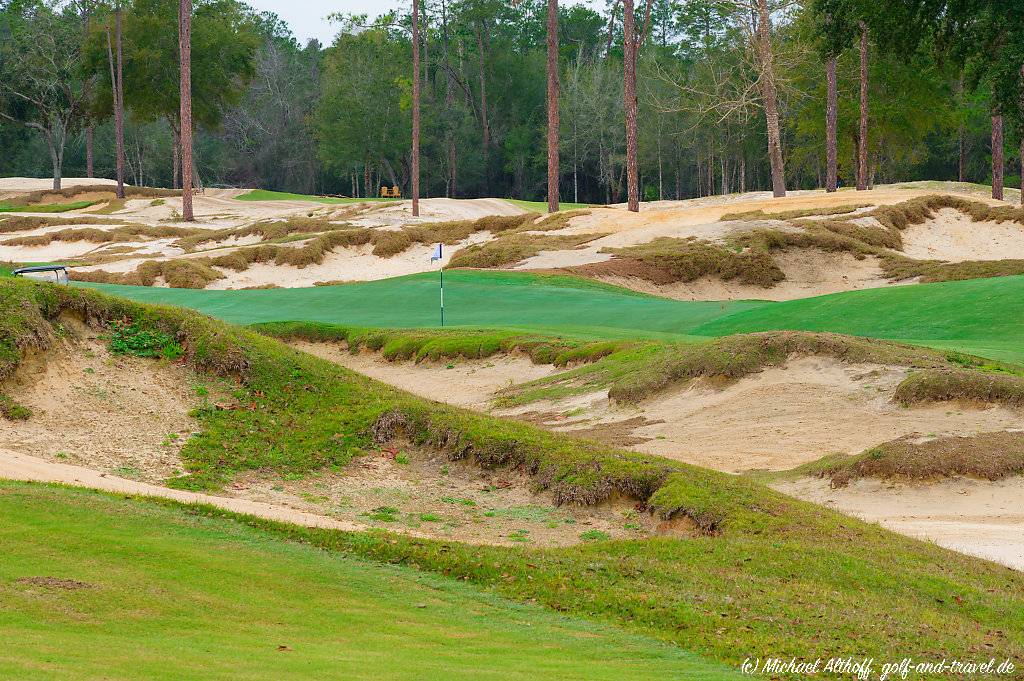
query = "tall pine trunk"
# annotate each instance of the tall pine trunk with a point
(89, 171)
(629, 95)
(961, 134)
(862, 153)
(185, 45)
(415, 108)
(831, 143)
(117, 90)
(769, 96)
(484, 123)
(997, 157)
(553, 106)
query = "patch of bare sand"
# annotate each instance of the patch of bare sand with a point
(467, 383)
(433, 210)
(110, 413)
(781, 417)
(10, 186)
(976, 517)
(18, 466)
(954, 237)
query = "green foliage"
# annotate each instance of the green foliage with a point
(12, 411)
(989, 456)
(46, 207)
(106, 559)
(131, 338)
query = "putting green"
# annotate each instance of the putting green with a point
(101, 587)
(981, 316)
(555, 304)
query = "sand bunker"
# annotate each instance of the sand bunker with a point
(976, 517)
(460, 382)
(954, 237)
(116, 414)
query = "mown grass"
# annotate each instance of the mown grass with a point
(555, 305)
(542, 206)
(267, 195)
(101, 587)
(990, 456)
(768, 573)
(45, 207)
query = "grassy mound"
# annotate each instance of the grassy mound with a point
(730, 593)
(733, 357)
(128, 589)
(991, 456)
(434, 344)
(666, 260)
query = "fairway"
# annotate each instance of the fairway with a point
(98, 587)
(268, 195)
(563, 305)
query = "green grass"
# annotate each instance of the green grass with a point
(542, 206)
(558, 305)
(981, 316)
(764, 572)
(46, 207)
(267, 195)
(161, 591)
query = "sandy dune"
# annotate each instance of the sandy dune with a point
(976, 517)
(776, 420)
(954, 237)
(467, 383)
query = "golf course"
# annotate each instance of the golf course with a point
(671, 340)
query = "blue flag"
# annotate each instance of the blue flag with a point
(437, 254)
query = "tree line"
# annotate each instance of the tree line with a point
(667, 99)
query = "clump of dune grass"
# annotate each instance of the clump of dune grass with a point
(130, 192)
(793, 214)
(964, 384)
(12, 411)
(734, 357)
(898, 268)
(121, 233)
(989, 456)
(668, 260)
(514, 248)
(182, 273)
(435, 344)
(24, 223)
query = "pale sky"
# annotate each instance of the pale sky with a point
(307, 17)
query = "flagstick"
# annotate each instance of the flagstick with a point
(442, 295)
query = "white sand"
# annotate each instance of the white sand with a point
(468, 383)
(954, 237)
(976, 517)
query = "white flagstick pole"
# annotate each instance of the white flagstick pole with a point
(440, 250)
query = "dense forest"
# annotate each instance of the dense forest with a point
(273, 113)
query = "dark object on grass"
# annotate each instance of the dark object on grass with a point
(60, 272)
